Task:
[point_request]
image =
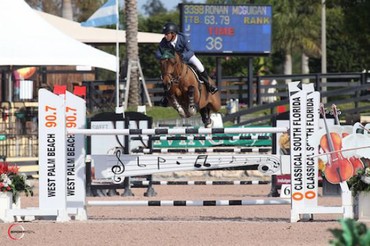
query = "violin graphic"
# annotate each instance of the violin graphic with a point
(338, 169)
(356, 162)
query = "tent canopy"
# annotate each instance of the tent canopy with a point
(95, 35)
(27, 39)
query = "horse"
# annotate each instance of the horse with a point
(185, 92)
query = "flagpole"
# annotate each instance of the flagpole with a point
(118, 110)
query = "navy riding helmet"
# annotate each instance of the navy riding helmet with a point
(169, 27)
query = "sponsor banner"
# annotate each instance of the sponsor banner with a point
(51, 116)
(119, 165)
(298, 146)
(75, 113)
(311, 166)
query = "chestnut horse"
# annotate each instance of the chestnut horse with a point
(185, 92)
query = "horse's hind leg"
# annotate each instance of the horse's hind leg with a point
(177, 106)
(191, 108)
(206, 118)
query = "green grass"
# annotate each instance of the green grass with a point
(161, 113)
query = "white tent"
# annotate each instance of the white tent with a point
(27, 39)
(95, 35)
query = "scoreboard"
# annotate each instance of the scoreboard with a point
(227, 29)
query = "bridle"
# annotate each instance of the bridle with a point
(175, 76)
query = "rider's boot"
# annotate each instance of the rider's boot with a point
(210, 88)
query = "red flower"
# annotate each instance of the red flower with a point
(3, 167)
(13, 169)
(7, 169)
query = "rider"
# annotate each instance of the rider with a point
(173, 39)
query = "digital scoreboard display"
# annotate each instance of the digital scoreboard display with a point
(227, 29)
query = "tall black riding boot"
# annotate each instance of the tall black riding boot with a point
(210, 88)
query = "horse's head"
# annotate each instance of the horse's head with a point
(170, 67)
(167, 61)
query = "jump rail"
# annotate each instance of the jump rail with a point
(159, 131)
(207, 182)
(182, 203)
(204, 150)
(202, 138)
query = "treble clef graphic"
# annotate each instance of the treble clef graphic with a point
(118, 169)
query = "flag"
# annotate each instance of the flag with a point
(105, 15)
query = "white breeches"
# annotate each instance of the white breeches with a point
(196, 62)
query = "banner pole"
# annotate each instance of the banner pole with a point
(118, 109)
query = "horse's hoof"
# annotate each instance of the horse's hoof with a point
(192, 110)
(209, 124)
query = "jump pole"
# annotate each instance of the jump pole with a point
(190, 203)
(205, 150)
(201, 138)
(159, 131)
(207, 182)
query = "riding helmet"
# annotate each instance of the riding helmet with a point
(169, 27)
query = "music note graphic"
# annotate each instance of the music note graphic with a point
(159, 161)
(118, 169)
(138, 163)
(233, 159)
(202, 161)
(177, 161)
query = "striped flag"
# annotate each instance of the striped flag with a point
(105, 15)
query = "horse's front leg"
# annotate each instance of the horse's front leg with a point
(192, 110)
(177, 106)
(206, 118)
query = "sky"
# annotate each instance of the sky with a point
(168, 4)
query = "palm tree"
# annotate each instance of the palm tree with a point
(296, 30)
(132, 50)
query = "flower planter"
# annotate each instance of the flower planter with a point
(6, 202)
(361, 208)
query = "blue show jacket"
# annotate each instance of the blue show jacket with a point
(182, 47)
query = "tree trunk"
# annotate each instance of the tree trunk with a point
(288, 66)
(304, 66)
(132, 50)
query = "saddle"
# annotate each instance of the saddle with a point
(195, 71)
